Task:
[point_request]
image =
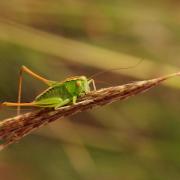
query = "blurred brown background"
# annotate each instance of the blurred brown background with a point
(136, 139)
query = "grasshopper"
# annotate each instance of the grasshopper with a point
(57, 94)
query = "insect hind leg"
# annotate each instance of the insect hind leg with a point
(54, 102)
(66, 101)
(12, 104)
(32, 74)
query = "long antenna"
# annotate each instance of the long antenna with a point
(116, 69)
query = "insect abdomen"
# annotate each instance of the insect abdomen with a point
(56, 91)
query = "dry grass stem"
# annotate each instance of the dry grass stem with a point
(14, 129)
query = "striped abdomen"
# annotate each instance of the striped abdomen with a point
(52, 92)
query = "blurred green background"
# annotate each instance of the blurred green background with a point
(136, 139)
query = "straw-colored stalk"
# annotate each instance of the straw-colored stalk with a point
(15, 128)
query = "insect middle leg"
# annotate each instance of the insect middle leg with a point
(74, 99)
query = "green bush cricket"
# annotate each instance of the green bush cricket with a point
(58, 94)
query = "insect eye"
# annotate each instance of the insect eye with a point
(78, 83)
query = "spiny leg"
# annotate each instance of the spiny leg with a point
(12, 104)
(93, 83)
(32, 74)
(54, 102)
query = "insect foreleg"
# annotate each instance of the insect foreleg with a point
(93, 83)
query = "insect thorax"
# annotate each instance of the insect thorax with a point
(67, 89)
